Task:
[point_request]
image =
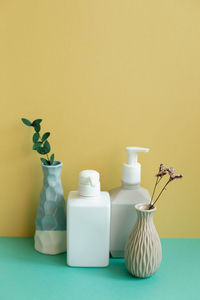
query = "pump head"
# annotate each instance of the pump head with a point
(131, 172)
(89, 184)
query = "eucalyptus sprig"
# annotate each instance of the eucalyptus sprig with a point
(40, 143)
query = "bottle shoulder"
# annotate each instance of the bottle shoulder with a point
(126, 196)
(74, 199)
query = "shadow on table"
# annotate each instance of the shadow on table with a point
(22, 249)
(117, 270)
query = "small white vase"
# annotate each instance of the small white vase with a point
(143, 253)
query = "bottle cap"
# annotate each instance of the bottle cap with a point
(89, 184)
(131, 172)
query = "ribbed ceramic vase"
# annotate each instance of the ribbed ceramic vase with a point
(143, 253)
(50, 234)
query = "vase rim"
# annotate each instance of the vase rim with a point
(57, 164)
(144, 207)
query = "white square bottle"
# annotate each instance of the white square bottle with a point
(88, 223)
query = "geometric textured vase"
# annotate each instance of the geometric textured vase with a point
(50, 234)
(143, 253)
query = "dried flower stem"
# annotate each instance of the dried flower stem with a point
(160, 194)
(161, 173)
(157, 182)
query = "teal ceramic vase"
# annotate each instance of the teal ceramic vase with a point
(50, 234)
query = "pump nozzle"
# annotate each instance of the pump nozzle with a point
(131, 173)
(132, 154)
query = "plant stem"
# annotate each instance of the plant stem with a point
(46, 154)
(157, 182)
(160, 194)
(154, 190)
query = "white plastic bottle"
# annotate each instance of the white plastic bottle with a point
(88, 223)
(123, 200)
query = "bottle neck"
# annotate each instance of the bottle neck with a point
(127, 186)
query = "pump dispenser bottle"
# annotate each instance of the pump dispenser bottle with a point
(88, 223)
(123, 201)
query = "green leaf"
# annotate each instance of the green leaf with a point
(37, 121)
(47, 147)
(36, 137)
(44, 161)
(37, 145)
(26, 122)
(45, 136)
(51, 159)
(37, 127)
(36, 124)
(41, 150)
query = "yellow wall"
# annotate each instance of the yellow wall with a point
(103, 75)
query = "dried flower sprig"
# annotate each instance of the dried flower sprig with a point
(161, 173)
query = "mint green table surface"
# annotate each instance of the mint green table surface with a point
(28, 275)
